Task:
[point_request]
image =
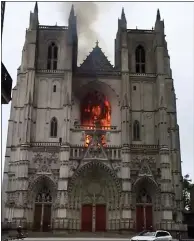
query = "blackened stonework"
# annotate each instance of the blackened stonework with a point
(85, 147)
(2, 15)
(6, 80)
(6, 85)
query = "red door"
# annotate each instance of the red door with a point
(87, 218)
(37, 217)
(148, 214)
(47, 218)
(100, 218)
(139, 218)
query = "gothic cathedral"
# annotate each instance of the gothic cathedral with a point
(96, 147)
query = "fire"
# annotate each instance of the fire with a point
(89, 138)
(95, 113)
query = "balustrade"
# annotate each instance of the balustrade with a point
(93, 127)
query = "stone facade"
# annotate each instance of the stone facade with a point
(47, 160)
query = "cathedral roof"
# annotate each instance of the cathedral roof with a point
(96, 62)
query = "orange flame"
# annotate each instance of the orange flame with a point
(95, 113)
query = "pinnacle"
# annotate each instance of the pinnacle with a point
(158, 15)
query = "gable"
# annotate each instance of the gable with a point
(145, 169)
(96, 62)
(95, 149)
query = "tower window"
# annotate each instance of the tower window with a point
(140, 59)
(54, 88)
(136, 130)
(52, 56)
(53, 127)
(134, 87)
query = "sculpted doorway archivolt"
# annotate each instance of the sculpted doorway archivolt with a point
(94, 185)
(42, 193)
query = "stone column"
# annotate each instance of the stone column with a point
(61, 212)
(165, 164)
(126, 189)
(20, 213)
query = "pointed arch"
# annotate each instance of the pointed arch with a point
(54, 88)
(52, 56)
(140, 59)
(94, 164)
(42, 194)
(39, 181)
(53, 127)
(143, 181)
(136, 130)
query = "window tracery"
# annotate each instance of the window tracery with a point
(52, 56)
(43, 195)
(140, 59)
(53, 127)
(136, 130)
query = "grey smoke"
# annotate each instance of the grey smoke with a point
(87, 15)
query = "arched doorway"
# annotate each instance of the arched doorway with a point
(42, 210)
(146, 192)
(144, 215)
(42, 193)
(94, 197)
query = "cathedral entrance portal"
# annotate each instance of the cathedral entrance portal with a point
(143, 211)
(42, 212)
(100, 218)
(93, 198)
(93, 213)
(86, 220)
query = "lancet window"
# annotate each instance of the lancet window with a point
(140, 59)
(136, 130)
(53, 127)
(52, 56)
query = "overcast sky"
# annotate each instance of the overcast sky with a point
(179, 29)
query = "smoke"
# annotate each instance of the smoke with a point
(87, 15)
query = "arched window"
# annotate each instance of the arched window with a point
(140, 59)
(52, 56)
(136, 130)
(54, 88)
(53, 127)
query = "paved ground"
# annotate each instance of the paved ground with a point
(77, 239)
(86, 239)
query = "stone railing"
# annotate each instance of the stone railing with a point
(140, 30)
(113, 225)
(170, 226)
(52, 27)
(75, 225)
(67, 224)
(142, 75)
(51, 71)
(93, 127)
(45, 144)
(135, 147)
(78, 152)
(113, 152)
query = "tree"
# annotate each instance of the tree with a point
(187, 186)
